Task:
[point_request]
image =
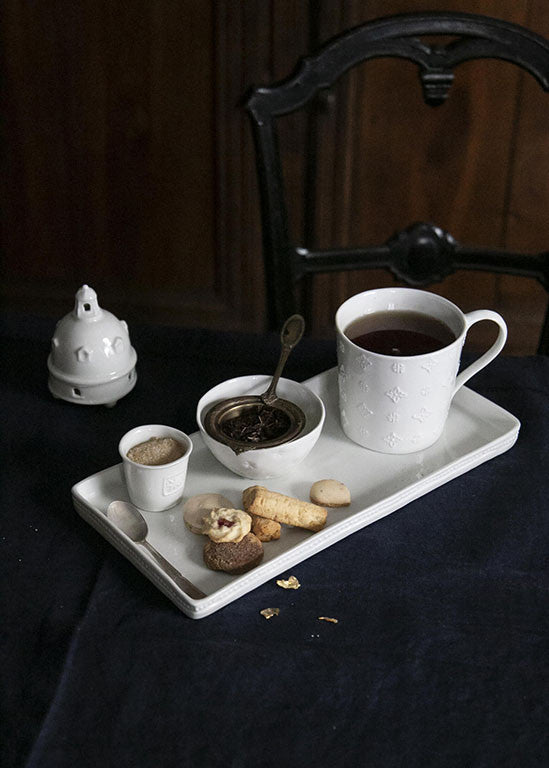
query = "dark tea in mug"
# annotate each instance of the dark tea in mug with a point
(400, 333)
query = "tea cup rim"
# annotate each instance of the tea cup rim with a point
(400, 289)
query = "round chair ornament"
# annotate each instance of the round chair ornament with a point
(92, 361)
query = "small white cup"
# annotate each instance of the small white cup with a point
(396, 404)
(157, 487)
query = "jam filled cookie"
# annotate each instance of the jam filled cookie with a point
(227, 525)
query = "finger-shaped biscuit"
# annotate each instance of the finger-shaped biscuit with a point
(257, 500)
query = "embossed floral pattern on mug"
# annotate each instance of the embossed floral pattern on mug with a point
(399, 403)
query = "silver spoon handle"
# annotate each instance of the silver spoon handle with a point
(291, 333)
(173, 573)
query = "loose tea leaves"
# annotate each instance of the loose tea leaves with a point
(257, 424)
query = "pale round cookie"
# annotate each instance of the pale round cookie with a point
(197, 507)
(330, 493)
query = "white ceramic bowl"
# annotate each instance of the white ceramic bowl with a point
(263, 463)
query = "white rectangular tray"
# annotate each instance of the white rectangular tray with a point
(476, 431)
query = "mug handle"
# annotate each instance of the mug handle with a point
(488, 356)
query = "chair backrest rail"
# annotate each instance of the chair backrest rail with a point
(396, 36)
(534, 265)
(422, 253)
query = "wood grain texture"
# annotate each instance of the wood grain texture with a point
(110, 158)
(454, 165)
(128, 160)
(527, 214)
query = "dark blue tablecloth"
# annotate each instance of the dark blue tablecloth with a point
(440, 656)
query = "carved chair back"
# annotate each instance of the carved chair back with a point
(422, 253)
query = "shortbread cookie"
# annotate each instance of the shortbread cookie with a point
(284, 509)
(197, 507)
(227, 525)
(330, 493)
(234, 558)
(264, 529)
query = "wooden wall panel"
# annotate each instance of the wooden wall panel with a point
(119, 141)
(527, 221)
(128, 160)
(453, 165)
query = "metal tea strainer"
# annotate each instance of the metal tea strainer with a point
(289, 417)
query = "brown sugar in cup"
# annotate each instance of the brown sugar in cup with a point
(156, 451)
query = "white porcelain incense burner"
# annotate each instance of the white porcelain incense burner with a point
(92, 361)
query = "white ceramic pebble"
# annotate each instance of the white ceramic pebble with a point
(197, 507)
(330, 493)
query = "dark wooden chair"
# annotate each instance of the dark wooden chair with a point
(423, 253)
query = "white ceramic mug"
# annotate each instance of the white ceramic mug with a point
(155, 488)
(396, 404)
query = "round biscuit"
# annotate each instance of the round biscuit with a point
(330, 493)
(197, 507)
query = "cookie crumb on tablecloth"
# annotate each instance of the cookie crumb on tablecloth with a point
(270, 612)
(291, 583)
